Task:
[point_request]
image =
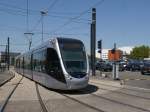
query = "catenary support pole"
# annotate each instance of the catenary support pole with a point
(93, 40)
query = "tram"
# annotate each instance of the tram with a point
(59, 63)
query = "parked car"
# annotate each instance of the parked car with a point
(123, 63)
(133, 67)
(145, 69)
(121, 67)
(102, 66)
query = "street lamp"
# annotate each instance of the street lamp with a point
(43, 13)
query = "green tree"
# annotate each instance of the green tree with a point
(140, 52)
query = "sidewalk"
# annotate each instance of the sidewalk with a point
(105, 77)
(102, 75)
(5, 76)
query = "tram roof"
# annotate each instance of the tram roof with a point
(47, 43)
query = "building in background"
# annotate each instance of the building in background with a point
(104, 54)
(3, 57)
(121, 53)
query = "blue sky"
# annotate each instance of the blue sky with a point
(126, 22)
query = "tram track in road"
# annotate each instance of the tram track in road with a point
(40, 99)
(104, 98)
(7, 80)
(85, 104)
(123, 88)
(68, 95)
(3, 106)
(119, 92)
(61, 92)
(118, 102)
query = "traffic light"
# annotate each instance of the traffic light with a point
(100, 44)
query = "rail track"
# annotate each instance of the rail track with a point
(3, 106)
(122, 93)
(85, 104)
(44, 108)
(60, 92)
(122, 87)
(104, 98)
(118, 102)
(97, 96)
(119, 92)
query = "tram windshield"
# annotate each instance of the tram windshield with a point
(74, 56)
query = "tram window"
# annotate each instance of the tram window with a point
(39, 59)
(27, 61)
(53, 64)
(16, 65)
(52, 60)
(21, 63)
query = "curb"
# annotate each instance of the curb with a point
(5, 81)
(123, 81)
(135, 79)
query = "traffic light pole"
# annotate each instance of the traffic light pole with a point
(8, 54)
(100, 52)
(93, 40)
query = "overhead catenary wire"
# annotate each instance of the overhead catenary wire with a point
(63, 33)
(4, 5)
(76, 17)
(9, 11)
(17, 9)
(52, 5)
(36, 25)
(24, 12)
(48, 9)
(50, 15)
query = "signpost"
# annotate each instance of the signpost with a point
(115, 65)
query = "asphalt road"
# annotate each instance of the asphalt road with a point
(135, 79)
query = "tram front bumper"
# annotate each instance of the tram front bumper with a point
(74, 84)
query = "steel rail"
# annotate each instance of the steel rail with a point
(85, 104)
(40, 99)
(120, 87)
(9, 96)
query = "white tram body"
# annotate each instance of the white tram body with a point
(60, 63)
